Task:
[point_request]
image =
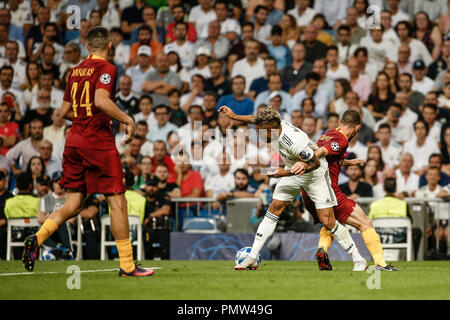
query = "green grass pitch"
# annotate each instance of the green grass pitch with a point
(217, 280)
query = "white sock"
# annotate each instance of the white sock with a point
(265, 230)
(345, 241)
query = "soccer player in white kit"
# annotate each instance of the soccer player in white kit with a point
(305, 171)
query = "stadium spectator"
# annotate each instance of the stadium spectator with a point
(4, 195)
(421, 82)
(9, 130)
(345, 48)
(139, 73)
(251, 67)
(353, 21)
(370, 177)
(429, 114)
(405, 65)
(261, 84)
(240, 104)
(309, 126)
(290, 31)
(418, 50)
(217, 82)
(397, 14)
(390, 150)
(311, 90)
(43, 111)
(125, 97)
(400, 132)
(179, 13)
(355, 187)
(415, 99)
(442, 62)
(365, 66)
(160, 155)
(11, 58)
(335, 69)
(177, 114)
(149, 18)
(121, 49)
(35, 169)
(314, 49)
(180, 45)
(51, 164)
(325, 84)
(190, 181)
(276, 49)
(407, 180)
(220, 182)
(170, 188)
(26, 148)
(161, 80)
(338, 104)
(230, 27)
(381, 97)
(6, 79)
(303, 13)
(445, 149)
(274, 83)
(157, 224)
(435, 161)
(196, 95)
(202, 14)
(360, 83)
(262, 27)
(237, 51)
(209, 105)
(78, 45)
(421, 146)
(145, 39)
(163, 127)
(379, 49)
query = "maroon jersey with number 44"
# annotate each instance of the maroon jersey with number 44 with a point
(336, 143)
(91, 127)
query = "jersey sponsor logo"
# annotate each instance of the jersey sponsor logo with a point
(105, 78)
(335, 146)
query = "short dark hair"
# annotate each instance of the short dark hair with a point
(361, 49)
(333, 115)
(23, 182)
(351, 118)
(259, 8)
(243, 171)
(390, 185)
(343, 27)
(431, 106)
(312, 76)
(332, 47)
(276, 31)
(384, 126)
(142, 123)
(427, 128)
(145, 96)
(160, 106)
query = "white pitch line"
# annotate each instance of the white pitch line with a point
(56, 272)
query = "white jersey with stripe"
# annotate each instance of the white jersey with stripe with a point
(294, 145)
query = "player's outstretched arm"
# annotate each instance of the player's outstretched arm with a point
(104, 103)
(353, 162)
(230, 114)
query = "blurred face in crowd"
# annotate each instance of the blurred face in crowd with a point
(215, 68)
(95, 19)
(141, 130)
(297, 118)
(4, 113)
(36, 167)
(238, 86)
(406, 163)
(159, 151)
(429, 115)
(144, 36)
(320, 68)
(386, 20)
(310, 34)
(162, 173)
(402, 99)
(435, 161)
(370, 168)
(116, 38)
(352, 100)
(135, 147)
(333, 123)
(148, 14)
(302, 4)
(252, 50)
(419, 74)
(353, 67)
(344, 36)
(352, 16)
(446, 48)
(197, 83)
(146, 106)
(402, 31)
(261, 16)
(178, 14)
(174, 99)
(162, 116)
(11, 50)
(162, 63)
(224, 163)
(144, 61)
(308, 106)
(241, 181)
(195, 114)
(247, 32)
(205, 4)
(382, 81)
(405, 83)
(311, 87)
(431, 97)
(353, 173)
(404, 52)
(420, 130)
(209, 102)
(221, 11)
(214, 29)
(6, 77)
(180, 32)
(45, 149)
(270, 65)
(43, 15)
(46, 81)
(276, 102)
(433, 176)
(36, 130)
(84, 29)
(48, 55)
(274, 83)
(43, 99)
(332, 57)
(3, 33)
(309, 126)
(125, 85)
(384, 135)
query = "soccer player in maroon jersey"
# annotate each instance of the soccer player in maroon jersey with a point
(333, 145)
(91, 162)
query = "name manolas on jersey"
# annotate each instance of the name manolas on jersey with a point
(91, 127)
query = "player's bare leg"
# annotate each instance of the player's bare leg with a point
(328, 220)
(73, 205)
(359, 220)
(121, 233)
(265, 229)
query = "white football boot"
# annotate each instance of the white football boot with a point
(360, 265)
(247, 264)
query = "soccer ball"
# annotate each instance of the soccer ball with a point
(243, 253)
(47, 255)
